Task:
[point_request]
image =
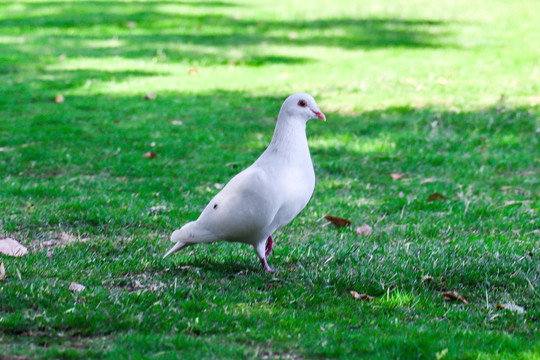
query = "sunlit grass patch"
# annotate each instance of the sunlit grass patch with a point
(398, 298)
(352, 143)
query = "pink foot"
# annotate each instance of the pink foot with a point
(267, 268)
(269, 246)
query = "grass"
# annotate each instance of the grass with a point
(444, 92)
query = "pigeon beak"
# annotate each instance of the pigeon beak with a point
(320, 115)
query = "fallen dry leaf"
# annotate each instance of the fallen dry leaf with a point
(512, 307)
(150, 155)
(76, 287)
(364, 297)
(12, 247)
(397, 176)
(364, 230)
(2, 271)
(192, 71)
(337, 221)
(436, 196)
(453, 296)
(59, 99)
(150, 96)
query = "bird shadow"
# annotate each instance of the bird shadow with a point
(228, 267)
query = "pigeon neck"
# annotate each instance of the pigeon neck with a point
(289, 136)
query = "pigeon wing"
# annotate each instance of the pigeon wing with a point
(244, 209)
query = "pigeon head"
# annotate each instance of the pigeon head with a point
(302, 105)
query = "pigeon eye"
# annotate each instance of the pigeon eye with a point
(302, 103)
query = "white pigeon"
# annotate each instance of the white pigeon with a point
(267, 195)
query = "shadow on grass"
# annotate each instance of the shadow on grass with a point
(95, 144)
(102, 29)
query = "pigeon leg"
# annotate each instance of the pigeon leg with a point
(269, 246)
(260, 250)
(267, 268)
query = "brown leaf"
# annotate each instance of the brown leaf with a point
(364, 297)
(59, 99)
(150, 155)
(192, 71)
(512, 307)
(337, 221)
(150, 96)
(436, 196)
(453, 296)
(364, 230)
(76, 287)
(2, 271)
(397, 176)
(12, 247)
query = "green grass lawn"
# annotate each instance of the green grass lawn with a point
(445, 92)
